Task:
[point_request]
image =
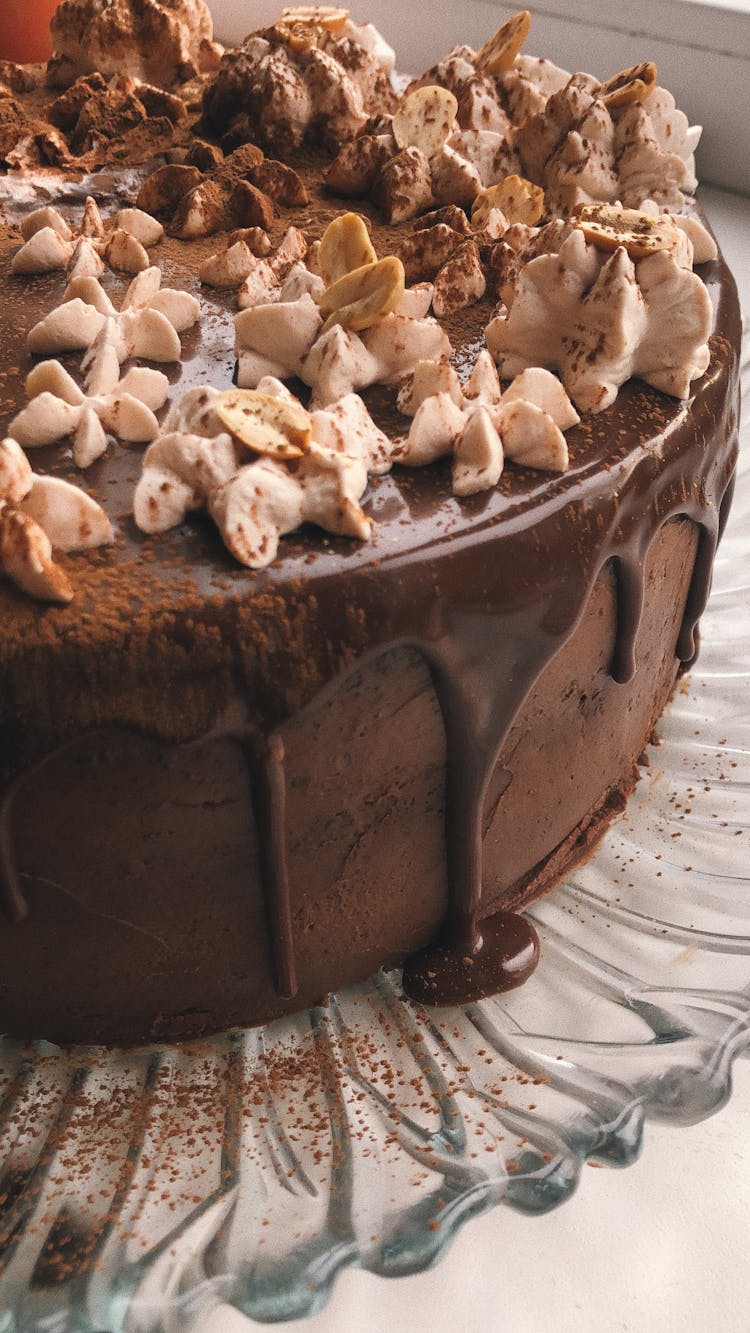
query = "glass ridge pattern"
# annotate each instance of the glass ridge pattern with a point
(139, 1189)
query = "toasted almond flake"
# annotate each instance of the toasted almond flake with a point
(299, 35)
(500, 51)
(329, 17)
(345, 246)
(362, 297)
(425, 119)
(608, 226)
(485, 203)
(630, 85)
(518, 199)
(266, 423)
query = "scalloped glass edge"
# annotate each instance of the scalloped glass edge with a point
(140, 1189)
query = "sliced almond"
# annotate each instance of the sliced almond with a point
(266, 423)
(329, 17)
(518, 199)
(345, 245)
(362, 297)
(500, 51)
(425, 119)
(484, 204)
(299, 35)
(607, 227)
(630, 85)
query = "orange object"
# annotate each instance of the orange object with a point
(24, 29)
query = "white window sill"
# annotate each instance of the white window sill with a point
(702, 51)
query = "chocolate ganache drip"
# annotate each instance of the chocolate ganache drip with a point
(268, 778)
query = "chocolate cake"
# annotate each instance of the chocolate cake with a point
(227, 791)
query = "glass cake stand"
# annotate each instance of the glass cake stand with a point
(139, 1189)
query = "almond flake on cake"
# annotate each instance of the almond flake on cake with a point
(362, 328)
